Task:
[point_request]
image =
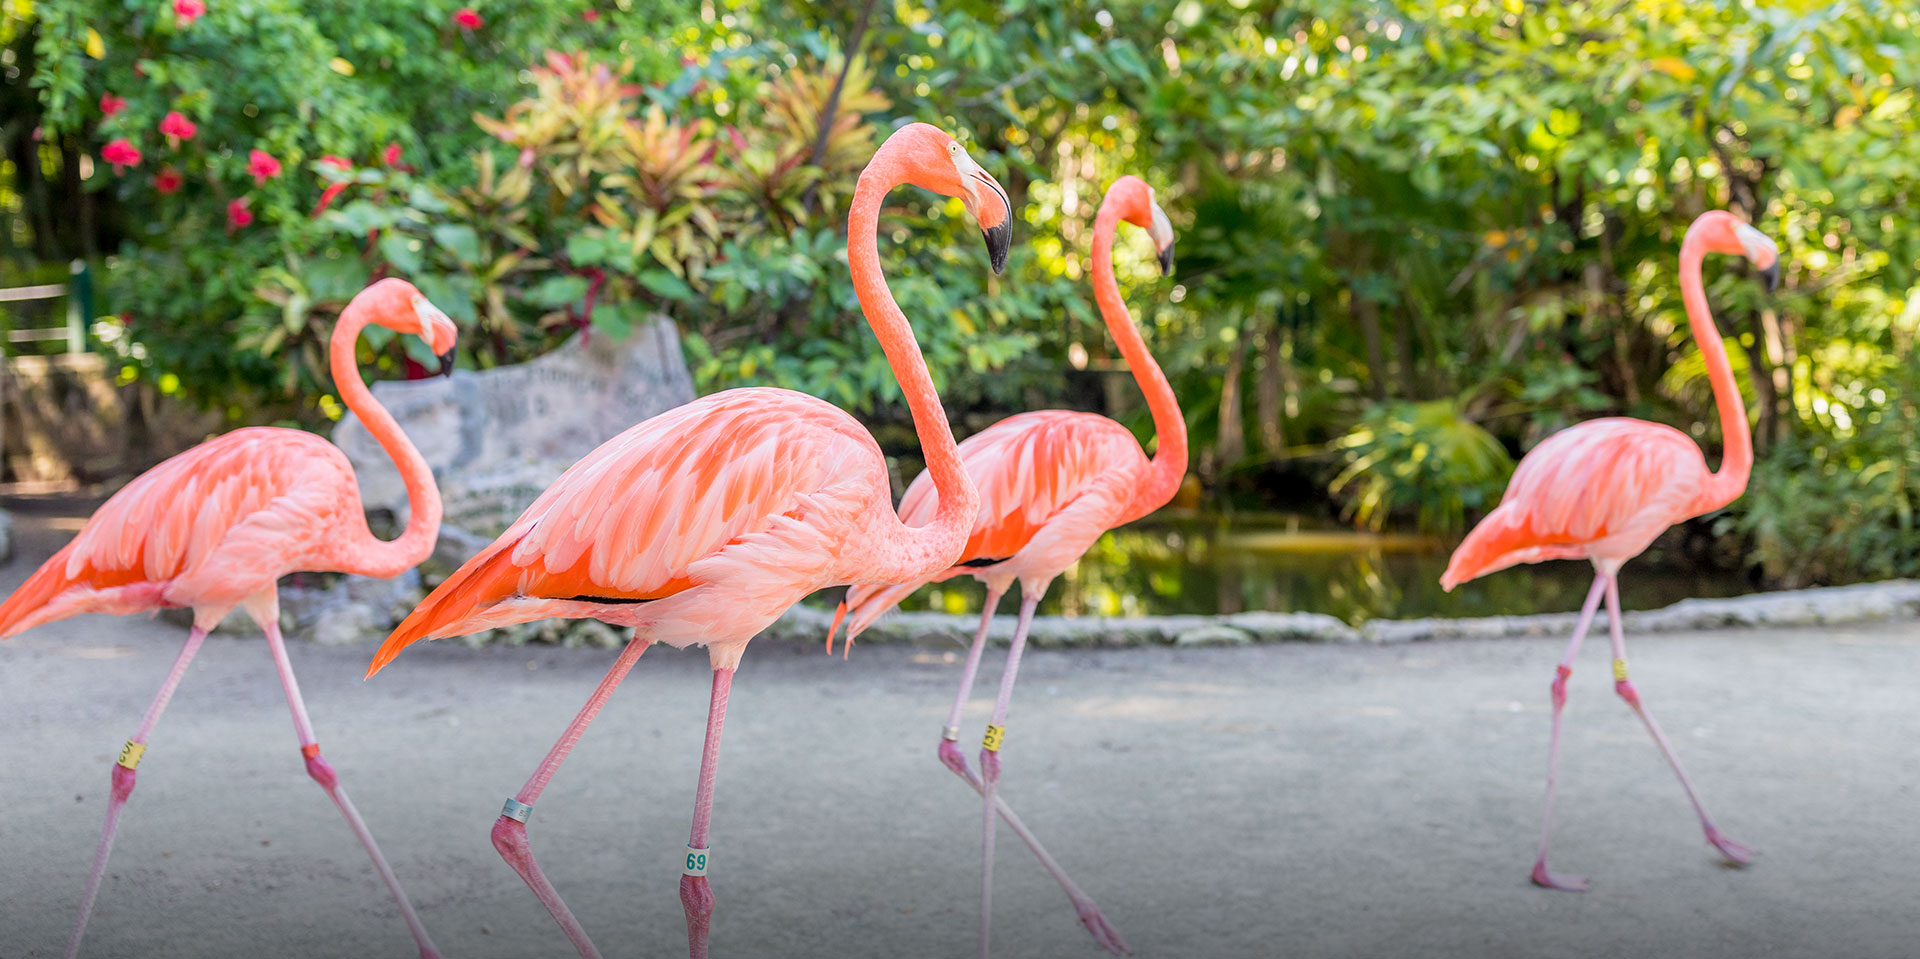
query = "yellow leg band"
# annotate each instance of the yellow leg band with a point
(995, 734)
(1619, 670)
(131, 753)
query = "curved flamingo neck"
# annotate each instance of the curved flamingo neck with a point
(369, 555)
(1736, 461)
(1169, 465)
(933, 547)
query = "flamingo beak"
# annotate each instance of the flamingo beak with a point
(995, 218)
(1161, 232)
(1760, 249)
(999, 241)
(438, 331)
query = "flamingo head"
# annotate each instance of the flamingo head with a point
(935, 161)
(399, 306)
(1138, 207)
(1726, 233)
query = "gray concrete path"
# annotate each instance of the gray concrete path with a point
(1287, 800)
(1295, 800)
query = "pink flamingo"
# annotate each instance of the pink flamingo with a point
(705, 523)
(1605, 489)
(215, 528)
(1051, 482)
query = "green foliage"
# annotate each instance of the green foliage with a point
(1443, 227)
(1425, 459)
(1826, 510)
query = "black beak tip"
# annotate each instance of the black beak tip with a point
(1772, 276)
(446, 363)
(999, 240)
(1166, 261)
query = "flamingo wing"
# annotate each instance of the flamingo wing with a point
(629, 522)
(208, 527)
(1603, 489)
(1029, 468)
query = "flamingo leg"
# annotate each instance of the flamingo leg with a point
(1624, 687)
(1083, 905)
(1541, 876)
(950, 733)
(695, 895)
(510, 830)
(323, 773)
(123, 780)
(990, 763)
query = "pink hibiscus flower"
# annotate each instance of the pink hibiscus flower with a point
(121, 154)
(176, 128)
(262, 166)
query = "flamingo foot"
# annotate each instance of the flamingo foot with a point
(1739, 854)
(1101, 930)
(1547, 880)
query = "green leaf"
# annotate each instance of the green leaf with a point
(557, 291)
(402, 251)
(667, 286)
(460, 240)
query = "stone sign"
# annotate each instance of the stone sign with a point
(495, 438)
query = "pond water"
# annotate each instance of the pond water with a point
(1206, 563)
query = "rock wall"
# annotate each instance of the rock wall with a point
(65, 418)
(496, 438)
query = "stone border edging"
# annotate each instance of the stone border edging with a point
(357, 609)
(1861, 603)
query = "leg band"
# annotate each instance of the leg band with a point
(130, 754)
(995, 736)
(696, 862)
(516, 810)
(310, 750)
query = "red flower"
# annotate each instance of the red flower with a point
(110, 104)
(175, 128)
(238, 215)
(327, 195)
(263, 166)
(187, 11)
(467, 18)
(334, 189)
(392, 155)
(168, 180)
(121, 154)
(591, 16)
